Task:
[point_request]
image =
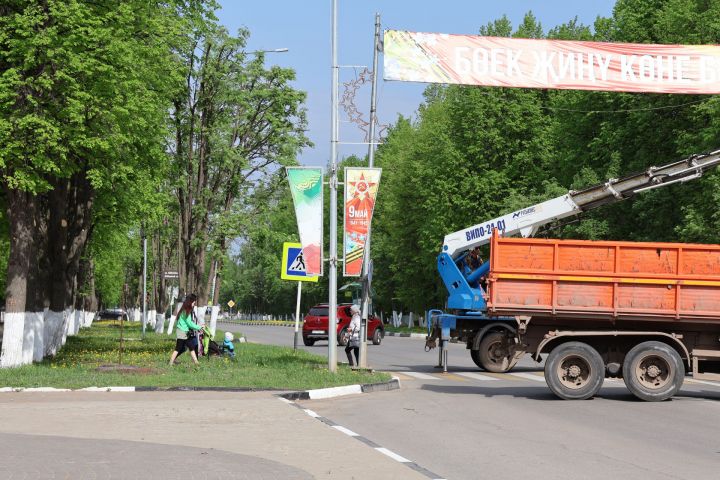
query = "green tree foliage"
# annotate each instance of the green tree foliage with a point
(475, 153)
(85, 88)
(234, 123)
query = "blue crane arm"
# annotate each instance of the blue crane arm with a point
(464, 292)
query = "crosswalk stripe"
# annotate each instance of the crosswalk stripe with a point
(528, 376)
(476, 376)
(421, 376)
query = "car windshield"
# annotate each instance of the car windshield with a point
(319, 311)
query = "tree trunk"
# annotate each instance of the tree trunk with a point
(71, 202)
(21, 213)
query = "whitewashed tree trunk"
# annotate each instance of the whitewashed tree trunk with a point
(213, 319)
(79, 317)
(28, 340)
(151, 318)
(200, 313)
(53, 332)
(89, 317)
(171, 324)
(65, 325)
(12, 345)
(397, 318)
(39, 343)
(411, 323)
(159, 322)
(136, 315)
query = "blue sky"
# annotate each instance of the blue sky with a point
(303, 26)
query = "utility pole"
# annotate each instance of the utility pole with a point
(332, 268)
(144, 315)
(371, 162)
(297, 316)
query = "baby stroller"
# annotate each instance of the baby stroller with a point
(208, 346)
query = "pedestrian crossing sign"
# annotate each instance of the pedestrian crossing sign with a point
(293, 264)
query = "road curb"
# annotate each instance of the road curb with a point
(272, 324)
(410, 335)
(316, 394)
(333, 392)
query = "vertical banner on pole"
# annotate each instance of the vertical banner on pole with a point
(361, 186)
(306, 186)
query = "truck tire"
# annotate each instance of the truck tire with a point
(493, 354)
(574, 371)
(653, 371)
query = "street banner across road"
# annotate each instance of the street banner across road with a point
(361, 186)
(294, 264)
(559, 64)
(306, 186)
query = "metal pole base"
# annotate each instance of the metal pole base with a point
(295, 341)
(442, 356)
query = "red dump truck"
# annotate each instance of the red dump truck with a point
(646, 312)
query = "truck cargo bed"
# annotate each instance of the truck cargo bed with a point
(604, 280)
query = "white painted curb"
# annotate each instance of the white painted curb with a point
(334, 392)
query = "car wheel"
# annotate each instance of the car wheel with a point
(340, 339)
(377, 336)
(309, 342)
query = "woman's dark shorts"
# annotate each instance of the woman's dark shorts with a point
(182, 343)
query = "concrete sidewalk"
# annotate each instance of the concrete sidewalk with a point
(171, 435)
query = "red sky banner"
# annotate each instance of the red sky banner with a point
(560, 64)
(361, 186)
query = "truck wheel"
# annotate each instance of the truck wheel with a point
(309, 342)
(653, 371)
(574, 371)
(493, 354)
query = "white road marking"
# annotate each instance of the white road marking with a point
(528, 376)
(421, 376)
(311, 413)
(476, 376)
(346, 431)
(285, 400)
(392, 455)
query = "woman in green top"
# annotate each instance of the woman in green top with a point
(185, 325)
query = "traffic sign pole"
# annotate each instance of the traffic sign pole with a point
(297, 316)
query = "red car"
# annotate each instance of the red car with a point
(315, 326)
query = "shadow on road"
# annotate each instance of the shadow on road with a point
(542, 393)
(433, 369)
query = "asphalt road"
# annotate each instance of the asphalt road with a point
(469, 424)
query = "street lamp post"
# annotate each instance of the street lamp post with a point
(332, 267)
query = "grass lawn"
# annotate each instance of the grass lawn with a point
(258, 366)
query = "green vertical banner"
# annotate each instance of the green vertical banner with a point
(361, 187)
(306, 187)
